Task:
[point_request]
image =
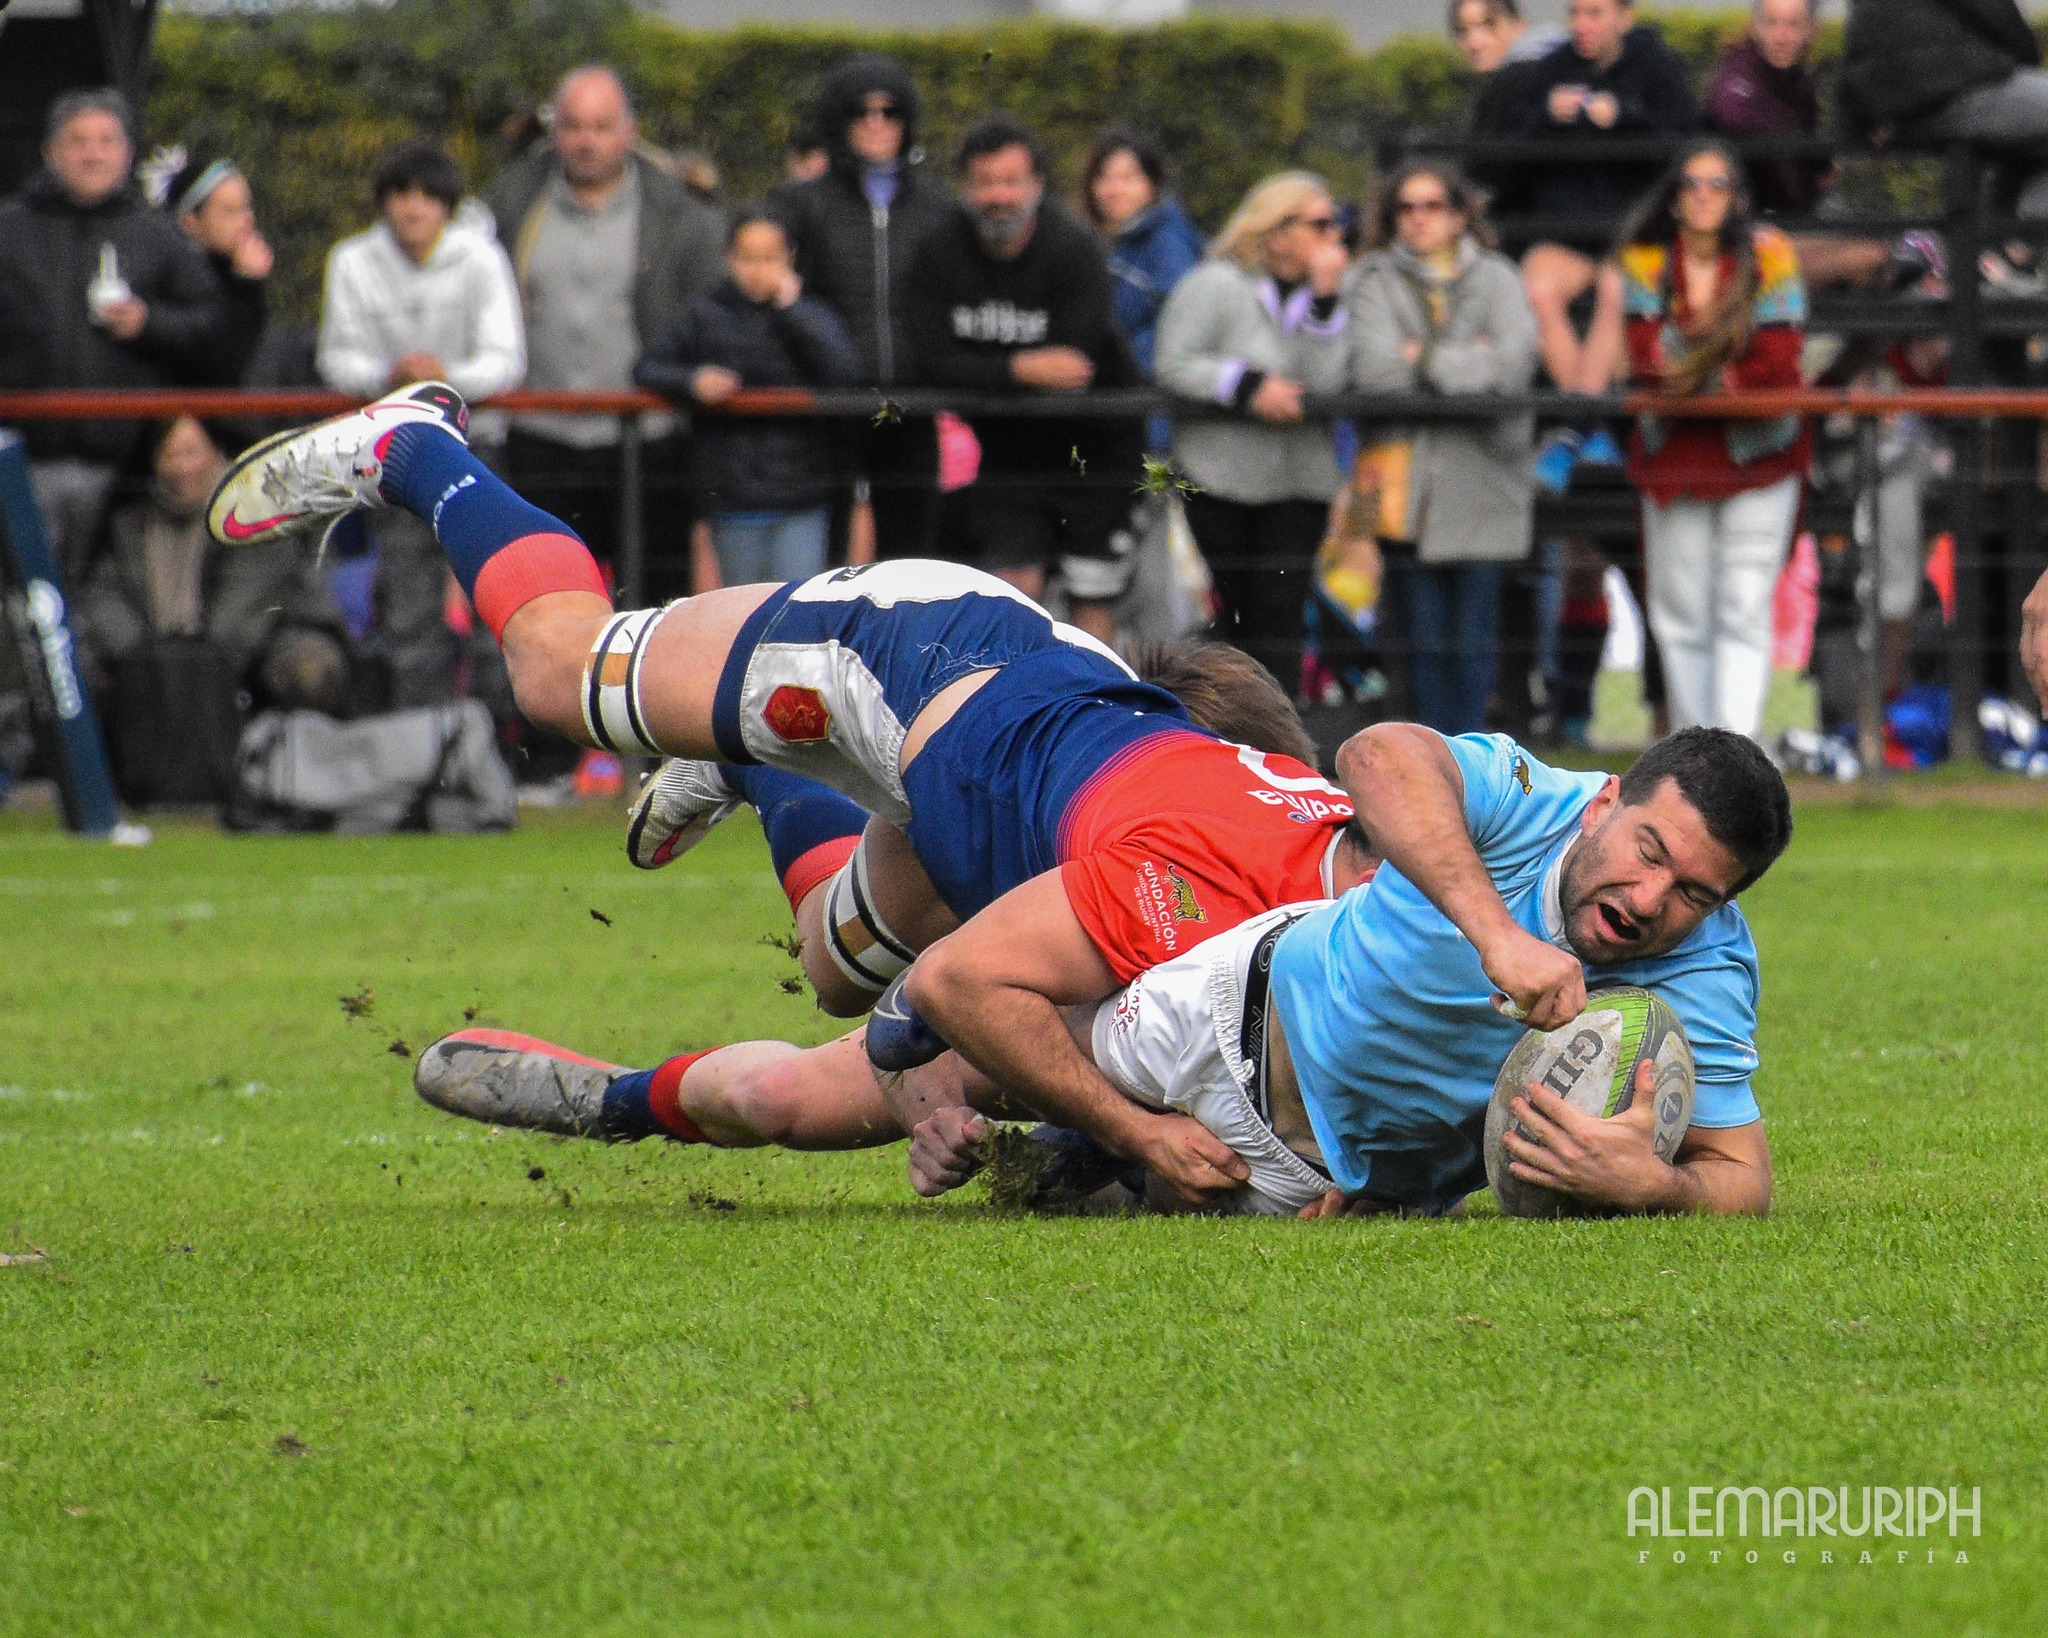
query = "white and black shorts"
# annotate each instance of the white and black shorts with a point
(1190, 1035)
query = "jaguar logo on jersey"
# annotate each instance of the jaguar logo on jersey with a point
(1186, 907)
(797, 716)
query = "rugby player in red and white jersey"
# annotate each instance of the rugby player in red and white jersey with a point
(1072, 820)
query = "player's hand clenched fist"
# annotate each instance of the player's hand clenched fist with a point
(945, 1149)
(1538, 983)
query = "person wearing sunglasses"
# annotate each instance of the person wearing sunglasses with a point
(1259, 329)
(853, 230)
(1435, 309)
(1713, 302)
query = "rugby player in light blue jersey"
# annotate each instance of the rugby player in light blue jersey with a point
(1348, 1051)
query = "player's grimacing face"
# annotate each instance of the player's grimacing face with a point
(1642, 876)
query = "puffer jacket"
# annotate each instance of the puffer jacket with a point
(1222, 326)
(49, 253)
(853, 254)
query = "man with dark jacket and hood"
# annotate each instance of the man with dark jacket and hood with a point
(853, 230)
(96, 290)
(608, 249)
(1943, 70)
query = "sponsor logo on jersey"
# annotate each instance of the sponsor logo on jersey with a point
(1002, 322)
(1186, 907)
(1304, 809)
(797, 716)
(1522, 776)
(1125, 1019)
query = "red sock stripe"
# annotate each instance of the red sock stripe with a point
(530, 567)
(821, 864)
(664, 1097)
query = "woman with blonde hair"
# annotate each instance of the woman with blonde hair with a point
(1257, 328)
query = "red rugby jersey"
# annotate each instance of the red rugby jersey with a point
(1181, 837)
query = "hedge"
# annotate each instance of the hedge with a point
(306, 100)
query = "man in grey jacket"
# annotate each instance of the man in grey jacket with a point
(608, 249)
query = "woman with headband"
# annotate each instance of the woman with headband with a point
(209, 199)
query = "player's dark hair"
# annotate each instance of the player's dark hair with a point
(991, 134)
(1229, 693)
(1727, 777)
(417, 164)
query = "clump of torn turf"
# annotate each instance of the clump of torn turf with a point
(1014, 1164)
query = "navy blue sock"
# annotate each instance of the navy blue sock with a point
(645, 1103)
(475, 516)
(811, 828)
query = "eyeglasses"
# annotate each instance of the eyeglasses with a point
(1420, 207)
(1716, 183)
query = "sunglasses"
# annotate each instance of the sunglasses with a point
(1420, 207)
(1716, 183)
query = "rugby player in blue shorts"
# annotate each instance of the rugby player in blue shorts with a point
(1347, 1051)
(1014, 763)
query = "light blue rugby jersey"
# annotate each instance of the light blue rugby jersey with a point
(1389, 1016)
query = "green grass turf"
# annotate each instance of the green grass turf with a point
(308, 1357)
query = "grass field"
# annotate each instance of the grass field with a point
(305, 1356)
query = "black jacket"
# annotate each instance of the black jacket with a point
(1649, 81)
(49, 253)
(745, 464)
(245, 309)
(972, 312)
(1905, 58)
(852, 255)
(681, 249)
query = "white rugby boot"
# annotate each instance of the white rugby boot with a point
(506, 1079)
(324, 471)
(678, 808)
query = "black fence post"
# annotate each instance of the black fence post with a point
(632, 514)
(1964, 186)
(1867, 530)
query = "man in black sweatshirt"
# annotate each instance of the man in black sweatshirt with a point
(1012, 296)
(1612, 77)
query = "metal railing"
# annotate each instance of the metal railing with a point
(1971, 411)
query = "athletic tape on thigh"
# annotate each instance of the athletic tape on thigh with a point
(861, 945)
(611, 683)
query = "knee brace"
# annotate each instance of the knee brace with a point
(611, 683)
(860, 943)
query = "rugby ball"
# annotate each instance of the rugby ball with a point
(1591, 1063)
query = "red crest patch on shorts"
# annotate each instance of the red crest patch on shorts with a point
(797, 716)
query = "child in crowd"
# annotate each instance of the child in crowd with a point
(765, 483)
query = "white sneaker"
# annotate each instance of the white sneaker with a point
(323, 471)
(676, 811)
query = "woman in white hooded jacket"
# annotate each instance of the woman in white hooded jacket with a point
(427, 293)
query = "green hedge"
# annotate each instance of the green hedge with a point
(306, 101)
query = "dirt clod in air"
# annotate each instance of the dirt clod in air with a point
(359, 1005)
(290, 1444)
(1013, 1163)
(599, 915)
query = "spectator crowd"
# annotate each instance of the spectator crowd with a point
(1328, 548)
